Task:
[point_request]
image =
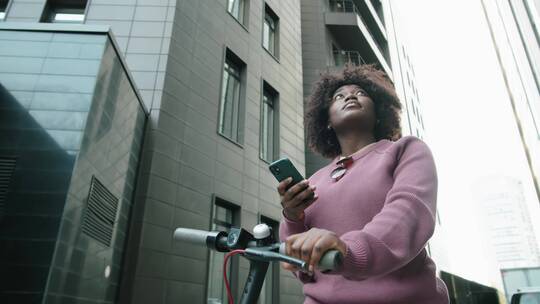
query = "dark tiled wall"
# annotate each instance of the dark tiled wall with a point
(46, 84)
(317, 57)
(85, 270)
(186, 162)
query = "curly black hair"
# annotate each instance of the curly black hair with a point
(379, 88)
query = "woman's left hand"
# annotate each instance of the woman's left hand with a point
(312, 244)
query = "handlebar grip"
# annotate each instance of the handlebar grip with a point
(192, 236)
(331, 260)
(215, 240)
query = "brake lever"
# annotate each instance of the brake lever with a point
(269, 254)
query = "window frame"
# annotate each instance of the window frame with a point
(273, 268)
(244, 20)
(218, 201)
(51, 9)
(274, 94)
(6, 9)
(236, 134)
(269, 13)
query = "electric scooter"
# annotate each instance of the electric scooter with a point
(259, 248)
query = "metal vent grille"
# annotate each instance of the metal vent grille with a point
(100, 213)
(7, 166)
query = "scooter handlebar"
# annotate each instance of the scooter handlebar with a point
(192, 236)
(331, 259)
(216, 240)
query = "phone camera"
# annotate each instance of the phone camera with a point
(277, 170)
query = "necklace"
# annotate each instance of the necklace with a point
(363, 148)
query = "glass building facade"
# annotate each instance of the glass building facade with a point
(71, 129)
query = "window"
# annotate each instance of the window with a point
(377, 5)
(237, 9)
(343, 57)
(225, 216)
(270, 289)
(3, 8)
(231, 105)
(270, 31)
(64, 11)
(343, 6)
(269, 137)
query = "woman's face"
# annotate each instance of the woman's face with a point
(351, 107)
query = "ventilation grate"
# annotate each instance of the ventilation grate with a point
(7, 167)
(100, 213)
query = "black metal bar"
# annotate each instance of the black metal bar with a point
(254, 282)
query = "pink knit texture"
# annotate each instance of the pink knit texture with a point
(384, 210)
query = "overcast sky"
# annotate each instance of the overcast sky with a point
(468, 118)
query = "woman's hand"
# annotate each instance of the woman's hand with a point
(296, 199)
(311, 245)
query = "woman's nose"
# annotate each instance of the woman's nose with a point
(350, 95)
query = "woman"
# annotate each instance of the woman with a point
(375, 201)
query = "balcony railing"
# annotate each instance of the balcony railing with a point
(343, 6)
(342, 57)
(348, 6)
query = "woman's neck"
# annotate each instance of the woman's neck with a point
(352, 142)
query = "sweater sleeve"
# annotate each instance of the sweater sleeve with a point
(288, 227)
(402, 228)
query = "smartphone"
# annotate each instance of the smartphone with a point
(283, 168)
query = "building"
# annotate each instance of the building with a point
(507, 224)
(513, 27)
(405, 78)
(413, 120)
(507, 230)
(221, 82)
(461, 290)
(514, 31)
(71, 133)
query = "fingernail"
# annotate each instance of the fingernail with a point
(310, 268)
(313, 187)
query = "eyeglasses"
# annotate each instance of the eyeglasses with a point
(341, 169)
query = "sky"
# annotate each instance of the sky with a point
(468, 119)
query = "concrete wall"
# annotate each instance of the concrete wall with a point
(316, 56)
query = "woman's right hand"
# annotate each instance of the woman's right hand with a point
(296, 199)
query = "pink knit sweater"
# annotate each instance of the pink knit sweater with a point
(383, 208)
